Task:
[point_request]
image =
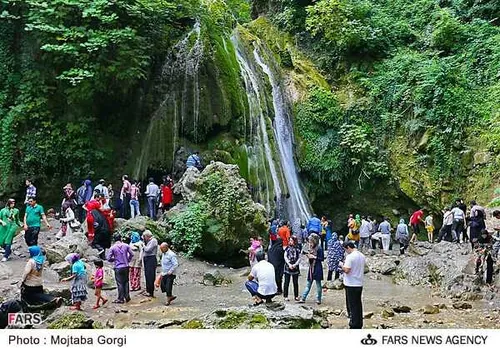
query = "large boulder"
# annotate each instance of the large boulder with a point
(140, 224)
(216, 212)
(63, 318)
(74, 243)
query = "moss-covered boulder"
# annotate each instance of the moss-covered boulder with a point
(64, 319)
(217, 215)
(140, 224)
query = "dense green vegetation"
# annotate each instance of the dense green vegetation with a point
(415, 89)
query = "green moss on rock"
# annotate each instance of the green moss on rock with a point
(72, 321)
(193, 324)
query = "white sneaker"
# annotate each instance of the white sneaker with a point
(4, 259)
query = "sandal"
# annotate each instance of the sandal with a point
(255, 304)
(104, 302)
(95, 307)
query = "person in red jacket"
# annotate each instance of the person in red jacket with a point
(284, 233)
(415, 220)
(166, 193)
(89, 206)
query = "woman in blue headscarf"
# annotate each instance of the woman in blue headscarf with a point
(32, 282)
(335, 255)
(78, 277)
(135, 264)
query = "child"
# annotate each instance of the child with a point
(98, 279)
(252, 250)
(429, 226)
(79, 281)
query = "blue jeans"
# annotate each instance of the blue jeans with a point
(134, 208)
(8, 250)
(252, 287)
(308, 288)
(152, 207)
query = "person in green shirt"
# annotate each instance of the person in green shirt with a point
(9, 224)
(34, 213)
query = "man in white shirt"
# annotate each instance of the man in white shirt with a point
(364, 234)
(262, 281)
(354, 270)
(152, 193)
(446, 229)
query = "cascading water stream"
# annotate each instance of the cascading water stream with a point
(297, 204)
(260, 145)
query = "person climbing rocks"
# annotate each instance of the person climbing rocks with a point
(446, 232)
(121, 254)
(261, 281)
(166, 193)
(136, 245)
(149, 260)
(89, 207)
(167, 276)
(125, 197)
(429, 226)
(292, 269)
(315, 255)
(402, 236)
(78, 280)
(335, 255)
(135, 209)
(314, 225)
(476, 222)
(34, 213)
(276, 257)
(152, 194)
(69, 223)
(80, 202)
(30, 190)
(458, 226)
(354, 270)
(9, 225)
(415, 219)
(496, 235)
(194, 160)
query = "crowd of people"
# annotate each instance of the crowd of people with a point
(343, 256)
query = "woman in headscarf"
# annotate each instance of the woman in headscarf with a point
(316, 256)
(136, 245)
(79, 280)
(335, 254)
(69, 224)
(354, 225)
(32, 282)
(292, 269)
(402, 236)
(9, 224)
(276, 257)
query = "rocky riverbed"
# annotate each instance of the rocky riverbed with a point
(431, 288)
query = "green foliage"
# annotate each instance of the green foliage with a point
(188, 228)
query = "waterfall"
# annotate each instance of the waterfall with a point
(260, 157)
(290, 200)
(297, 204)
(180, 102)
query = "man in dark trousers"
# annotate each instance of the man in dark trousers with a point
(149, 259)
(166, 279)
(354, 269)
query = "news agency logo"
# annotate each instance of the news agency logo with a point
(15, 319)
(369, 341)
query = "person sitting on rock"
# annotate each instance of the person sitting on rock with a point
(194, 161)
(261, 281)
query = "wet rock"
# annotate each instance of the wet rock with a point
(61, 268)
(462, 305)
(387, 313)
(58, 290)
(5, 272)
(215, 278)
(382, 264)
(74, 243)
(63, 318)
(428, 309)
(401, 309)
(334, 285)
(368, 315)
